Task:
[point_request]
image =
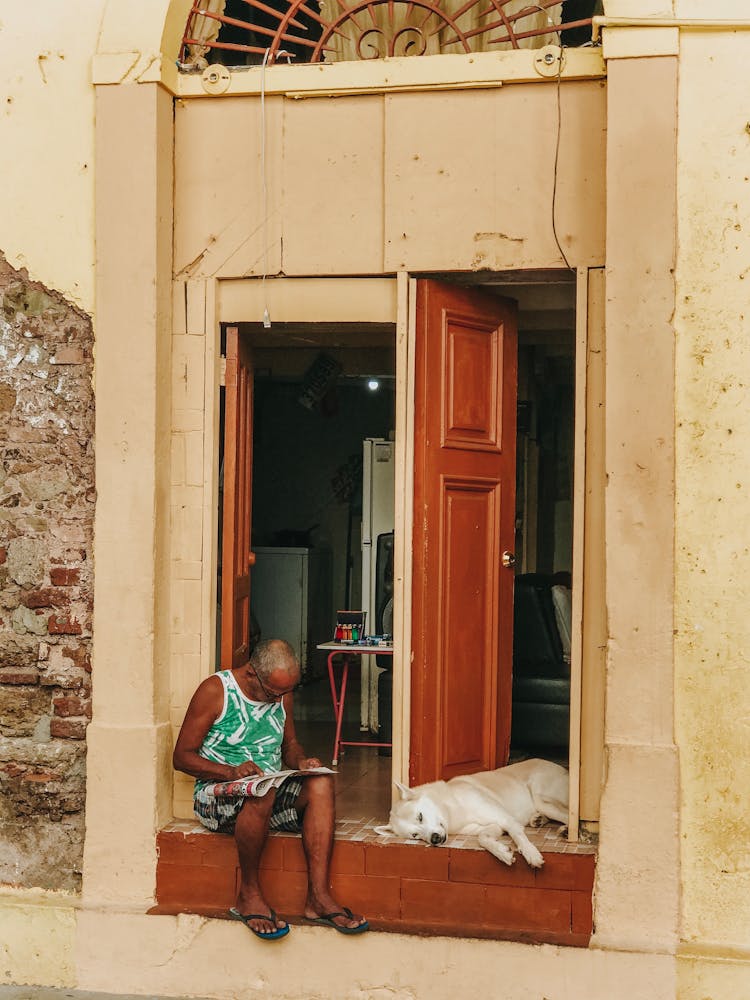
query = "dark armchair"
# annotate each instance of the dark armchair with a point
(541, 675)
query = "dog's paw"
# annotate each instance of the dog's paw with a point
(537, 821)
(498, 850)
(504, 854)
(532, 856)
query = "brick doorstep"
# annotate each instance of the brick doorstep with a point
(405, 888)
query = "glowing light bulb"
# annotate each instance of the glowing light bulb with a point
(373, 384)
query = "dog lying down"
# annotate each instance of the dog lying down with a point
(486, 805)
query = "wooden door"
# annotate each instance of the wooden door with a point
(238, 475)
(464, 521)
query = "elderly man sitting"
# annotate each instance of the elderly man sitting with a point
(239, 723)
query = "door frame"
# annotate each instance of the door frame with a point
(210, 303)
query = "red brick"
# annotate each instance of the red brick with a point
(566, 871)
(482, 868)
(63, 576)
(285, 891)
(195, 885)
(67, 705)
(583, 918)
(60, 625)
(375, 897)
(68, 729)
(79, 655)
(273, 853)
(176, 849)
(41, 777)
(408, 861)
(348, 858)
(438, 903)
(47, 597)
(293, 855)
(537, 910)
(220, 850)
(68, 355)
(19, 677)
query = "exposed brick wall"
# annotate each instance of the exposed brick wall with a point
(46, 580)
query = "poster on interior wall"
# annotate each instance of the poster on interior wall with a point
(318, 379)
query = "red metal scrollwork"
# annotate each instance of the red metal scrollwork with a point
(309, 31)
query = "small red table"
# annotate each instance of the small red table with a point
(348, 649)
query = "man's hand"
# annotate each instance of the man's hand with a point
(308, 763)
(247, 770)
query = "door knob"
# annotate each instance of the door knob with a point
(509, 559)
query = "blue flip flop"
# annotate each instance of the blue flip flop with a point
(327, 920)
(280, 932)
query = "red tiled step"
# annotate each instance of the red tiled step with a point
(401, 887)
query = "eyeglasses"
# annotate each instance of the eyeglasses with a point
(274, 695)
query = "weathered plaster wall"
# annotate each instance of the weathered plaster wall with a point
(47, 111)
(46, 581)
(713, 513)
(37, 935)
(637, 886)
(379, 183)
(188, 956)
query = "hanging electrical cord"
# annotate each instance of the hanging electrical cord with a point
(264, 187)
(557, 157)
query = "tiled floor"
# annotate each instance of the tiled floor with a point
(364, 776)
(363, 784)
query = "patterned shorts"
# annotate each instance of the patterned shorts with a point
(220, 812)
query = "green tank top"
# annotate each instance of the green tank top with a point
(244, 730)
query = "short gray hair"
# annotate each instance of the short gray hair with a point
(273, 654)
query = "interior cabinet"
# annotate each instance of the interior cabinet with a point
(290, 592)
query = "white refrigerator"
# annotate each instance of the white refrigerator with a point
(378, 487)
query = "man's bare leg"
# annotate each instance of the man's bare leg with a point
(250, 833)
(317, 803)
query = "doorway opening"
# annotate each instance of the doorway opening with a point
(321, 393)
(323, 428)
(542, 603)
(542, 549)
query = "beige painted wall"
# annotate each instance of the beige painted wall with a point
(47, 136)
(637, 888)
(362, 185)
(713, 511)
(106, 942)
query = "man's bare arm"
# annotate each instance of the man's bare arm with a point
(292, 751)
(203, 710)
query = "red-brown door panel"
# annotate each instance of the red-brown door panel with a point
(464, 495)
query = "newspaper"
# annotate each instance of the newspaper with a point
(258, 784)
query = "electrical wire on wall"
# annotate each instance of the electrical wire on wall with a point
(557, 158)
(264, 186)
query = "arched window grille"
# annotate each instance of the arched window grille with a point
(245, 32)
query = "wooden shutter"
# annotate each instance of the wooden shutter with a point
(238, 475)
(464, 519)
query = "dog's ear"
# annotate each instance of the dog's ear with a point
(384, 831)
(406, 793)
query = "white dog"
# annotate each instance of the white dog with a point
(486, 805)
